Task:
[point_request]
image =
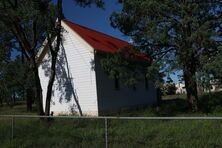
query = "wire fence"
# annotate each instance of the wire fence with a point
(91, 128)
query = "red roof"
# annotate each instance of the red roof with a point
(101, 41)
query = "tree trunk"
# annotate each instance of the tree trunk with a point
(1, 100)
(29, 96)
(14, 98)
(38, 90)
(54, 53)
(191, 85)
(50, 85)
(159, 97)
(189, 68)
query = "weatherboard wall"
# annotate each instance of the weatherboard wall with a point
(111, 99)
(75, 74)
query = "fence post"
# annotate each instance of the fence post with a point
(12, 127)
(106, 132)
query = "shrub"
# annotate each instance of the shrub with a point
(211, 102)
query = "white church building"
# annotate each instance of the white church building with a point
(81, 85)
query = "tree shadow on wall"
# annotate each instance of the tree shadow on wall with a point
(63, 82)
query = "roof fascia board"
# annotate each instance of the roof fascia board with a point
(42, 52)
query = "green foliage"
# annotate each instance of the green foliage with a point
(153, 73)
(159, 27)
(23, 21)
(5, 45)
(175, 33)
(211, 103)
(124, 66)
(212, 69)
(15, 79)
(26, 23)
(168, 89)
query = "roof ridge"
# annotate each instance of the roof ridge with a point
(95, 30)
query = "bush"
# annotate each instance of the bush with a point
(211, 102)
(169, 89)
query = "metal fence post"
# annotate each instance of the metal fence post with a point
(106, 132)
(12, 128)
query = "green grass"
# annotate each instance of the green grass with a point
(170, 97)
(121, 133)
(57, 133)
(18, 109)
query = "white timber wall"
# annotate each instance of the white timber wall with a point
(75, 74)
(112, 100)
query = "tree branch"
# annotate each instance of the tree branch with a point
(50, 43)
(164, 52)
(34, 34)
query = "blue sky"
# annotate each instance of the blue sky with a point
(93, 17)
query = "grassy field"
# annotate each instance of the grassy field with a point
(19, 109)
(121, 133)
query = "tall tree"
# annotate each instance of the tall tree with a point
(176, 31)
(22, 76)
(15, 79)
(4, 59)
(51, 33)
(24, 20)
(211, 73)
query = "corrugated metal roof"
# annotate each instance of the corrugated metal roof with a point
(102, 42)
(97, 40)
